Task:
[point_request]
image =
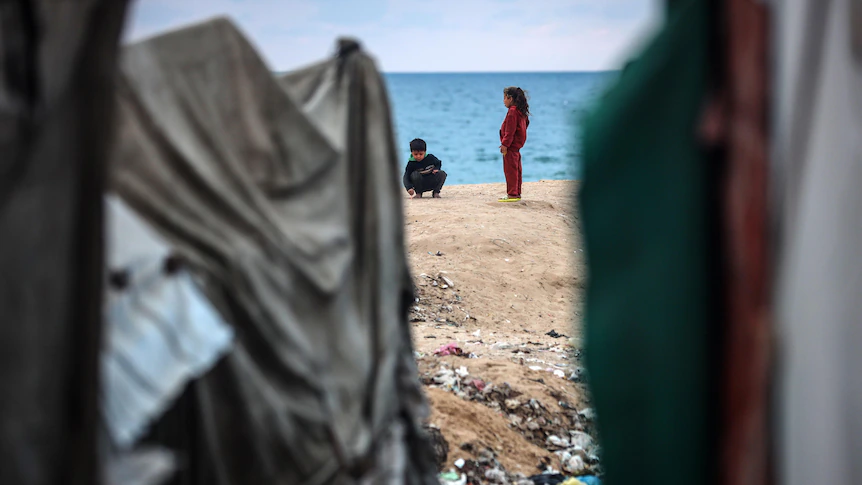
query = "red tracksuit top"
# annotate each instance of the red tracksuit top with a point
(513, 133)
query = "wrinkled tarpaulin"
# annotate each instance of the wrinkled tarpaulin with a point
(58, 62)
(817, 169)
(292, 217)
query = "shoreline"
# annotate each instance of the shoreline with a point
(503, 182)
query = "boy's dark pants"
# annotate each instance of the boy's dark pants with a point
(432, 181)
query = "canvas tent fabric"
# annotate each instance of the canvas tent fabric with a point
(817, 166)
(58, 62)
(295, 230)
(649, 223)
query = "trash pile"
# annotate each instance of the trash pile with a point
(577, 452)
(439, 443)
(487, 470)
(565, 431)
(555, 426)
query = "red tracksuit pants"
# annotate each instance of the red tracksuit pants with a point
(512, 169)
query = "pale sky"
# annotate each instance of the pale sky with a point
(425, 35)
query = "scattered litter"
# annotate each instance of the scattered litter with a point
(590, 480)
(446, 379)
(548, 479)
(561, 429)
(449, 349)
(577, 374)
(572, 481)
(439, 443)
(462, 372)
(581, 440)
(452, 478)
(486, 469)
(459, 463)
(478, 384)
(447, 280)
(554, 440)
(477, 333)
(495, 475)
(575, 464)
(554, 334)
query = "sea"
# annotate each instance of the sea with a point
(459, 116)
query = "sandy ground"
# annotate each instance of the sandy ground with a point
(494, 279)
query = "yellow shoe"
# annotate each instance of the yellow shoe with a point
(509, 199)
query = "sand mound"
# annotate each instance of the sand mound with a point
(475, 427)
(496, 279)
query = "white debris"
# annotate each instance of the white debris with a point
(587, 414)
(575, 464)
(558, 442)
(512, 403)
(581, 440)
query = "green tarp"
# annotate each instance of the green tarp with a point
(646, 208)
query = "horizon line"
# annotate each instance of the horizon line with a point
(598, 71)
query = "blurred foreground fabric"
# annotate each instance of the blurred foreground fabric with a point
(58, 62)
(288, 214)
(646, 221)
(721, 216)
(256, 321)
(816, 171)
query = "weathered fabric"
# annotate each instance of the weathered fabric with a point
(283, 198)
(817, 154)
(58, 62)
(148, 466)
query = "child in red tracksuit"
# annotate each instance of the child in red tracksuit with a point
(513, 134)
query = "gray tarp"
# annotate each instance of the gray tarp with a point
(57, 68)
(293, 219)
